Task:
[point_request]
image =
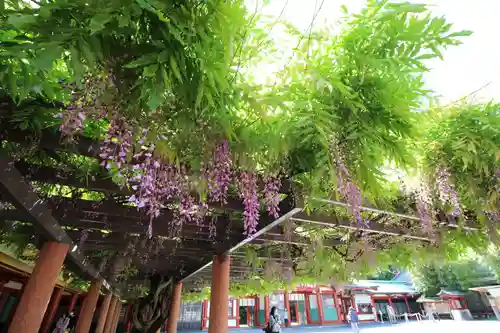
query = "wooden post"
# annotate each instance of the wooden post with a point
(374, 307)
(72, 303)
(111, 313)
(37, 292)
(103, 313)
(126, 319)
(118, 311)
(319, 301)
(287, 307)
(407, 304)
(52, 310)
(266, 309)
(175, 309)
(88, 307)
(219, 296)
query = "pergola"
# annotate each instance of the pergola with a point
(96, 238)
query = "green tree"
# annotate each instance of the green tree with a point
(461, 275)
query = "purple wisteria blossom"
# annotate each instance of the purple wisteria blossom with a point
(83, 238)
(84, 104)
(251, 202)
(72, 122)
(272, 185)
(219, 173)
(424, 208)
(118, 143)
(155, 182)
(347, 189)
(447, 191)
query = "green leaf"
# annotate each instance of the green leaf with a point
(463, 33)
(165, 78)
(98, 22)
(199, 96)
(155, 98)
(12, 81)
(150, 71)
(21, 21)
(428, 56)
(175, 68)
(76, 64)
(45, 58)
(145, 5)
(146, 59)
(87, 53)
(124, 20)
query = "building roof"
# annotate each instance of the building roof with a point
(22, 269)
(450, 292)
(403, 277)
(485, 288)
(423, 299)
(384, 287)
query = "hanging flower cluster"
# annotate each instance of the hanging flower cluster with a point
(117, 144)
(186, 206)
(424, 208)
(71, 122)
(272, 185)
(84, 103)
(248, 190)
(447, 192)
(347, 189)
(83, 238)
(212, 229)
(219, 173)
(156, 182)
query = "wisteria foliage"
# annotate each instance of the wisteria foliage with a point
(187, 126)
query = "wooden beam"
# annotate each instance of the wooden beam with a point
(52, 140)
(22, 196)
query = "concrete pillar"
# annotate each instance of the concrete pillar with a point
(88, 307)
(111, 313)
(37, 292)
(52, 310)
(219, 294)
(72, 303)
(175, 309)
(103, 313)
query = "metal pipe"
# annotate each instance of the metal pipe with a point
(247, 240)
(405, 216)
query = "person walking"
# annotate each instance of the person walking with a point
(62, 324)
(72, 322)
(285, 318)
(273, 326)
(353, 319)
(392, 314)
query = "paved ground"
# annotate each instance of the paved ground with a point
(413, 327)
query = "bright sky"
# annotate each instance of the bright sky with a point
(465, 69)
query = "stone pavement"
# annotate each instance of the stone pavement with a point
(444, 326)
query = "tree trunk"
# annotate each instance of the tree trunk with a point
(151, 312)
